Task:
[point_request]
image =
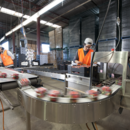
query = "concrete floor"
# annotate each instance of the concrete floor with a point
(15, 119)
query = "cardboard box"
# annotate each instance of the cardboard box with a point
(52, 58)
(59, 55)
(59, 37)
(52, 39)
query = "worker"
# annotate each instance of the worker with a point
(6, 57)
(83, 55)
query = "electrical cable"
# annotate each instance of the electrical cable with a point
(91, 69)
(93, 126)
(119, 37)
(87, 126)
(96, 126)
(3, 113)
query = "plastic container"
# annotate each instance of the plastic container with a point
(15, 76)
(73, 96)
(93, 95)
(41, 92)
(3, 75)
(106, 90)
(54, 94)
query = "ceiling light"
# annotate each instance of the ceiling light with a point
(8, 33)
(49, 24)
(43, 22)
(18, 14)
(26, 16)
(7, 11)
(49, 6)
(11, 12)
(2, 39)
(17, 27)
(56, 26)
(32, 18)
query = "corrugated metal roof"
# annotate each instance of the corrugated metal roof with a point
(53, 13)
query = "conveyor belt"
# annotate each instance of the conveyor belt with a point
(9, 83)
(53, 73)
(65, 112)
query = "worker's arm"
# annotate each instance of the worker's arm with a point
(0, 61)
(76, 59)
(11, 55)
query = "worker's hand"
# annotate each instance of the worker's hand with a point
(78, 62)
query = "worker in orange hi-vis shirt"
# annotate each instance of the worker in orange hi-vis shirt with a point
(6, 57)
(83, 56)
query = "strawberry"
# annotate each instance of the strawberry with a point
(92, 94)
(15, 76)
(40, 92)
(106, 90)
(54, 94)
(3, 75)
(74, 94)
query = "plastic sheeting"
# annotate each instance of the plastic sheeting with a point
(106, 45)
(88, 28)
(109, 30)
(125, 18)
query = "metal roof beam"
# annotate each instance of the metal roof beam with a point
(1, 2)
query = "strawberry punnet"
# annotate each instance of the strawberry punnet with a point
(106, 90)
(54, 94)
(40, 92)
(73, 96)
(92, 94)
(3, 75)
(15, 76)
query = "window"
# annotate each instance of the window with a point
(6, 45)
(45, 48)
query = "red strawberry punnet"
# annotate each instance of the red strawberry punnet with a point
(3, 75)
(54, 94)
(15, 76)
(73, 96)
(40, 92)
(106, 90)
(92, 94)
(24, 82)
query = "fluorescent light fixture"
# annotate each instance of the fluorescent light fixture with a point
(31, 18)
(11, 12)
(2, 39)
(8, 33)
(56, 26)
(49, 24)
(26, 16)
(18, 14)
(43, 22)
(7, 11)
(49, 6)
(17, 27)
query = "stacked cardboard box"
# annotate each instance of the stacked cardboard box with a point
(59, 55)
(52, 39)
(32, 45)
(52, 58)
(58, 38)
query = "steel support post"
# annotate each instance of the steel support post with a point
(28, 124)
(38, 36)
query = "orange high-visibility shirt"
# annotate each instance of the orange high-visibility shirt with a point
(7, 60)
(85, 59)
